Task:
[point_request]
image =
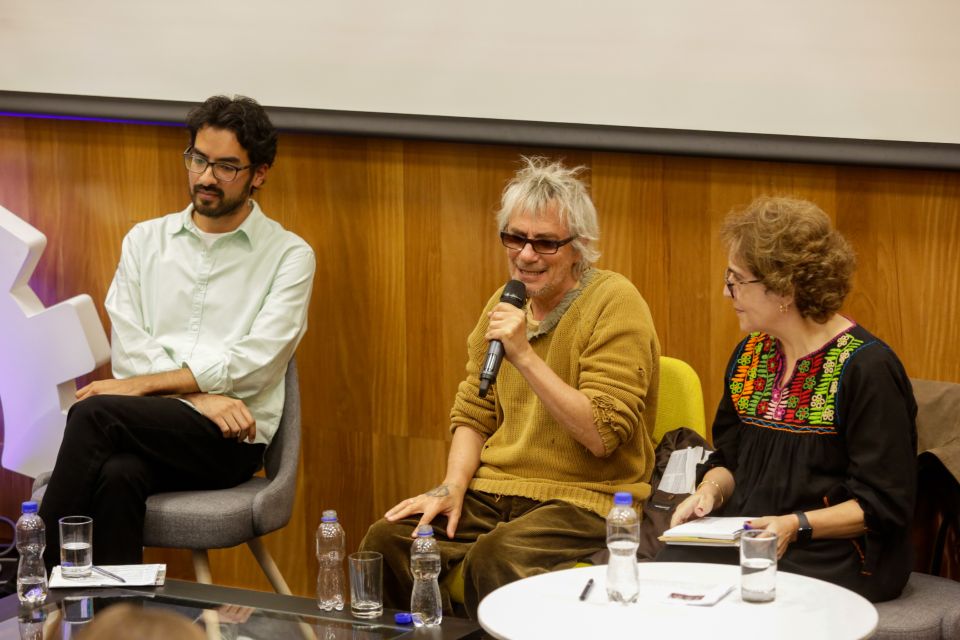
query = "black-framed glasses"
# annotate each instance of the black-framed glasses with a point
(736, 283)
(542, 246)
(223, 171)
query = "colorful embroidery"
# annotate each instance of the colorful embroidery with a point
(807, 404)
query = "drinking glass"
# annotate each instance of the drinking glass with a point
(758, 566)
(366, 584)
(76, 546)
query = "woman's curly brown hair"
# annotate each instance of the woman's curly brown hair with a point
(791, 246)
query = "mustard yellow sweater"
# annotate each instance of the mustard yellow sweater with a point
(600, 339)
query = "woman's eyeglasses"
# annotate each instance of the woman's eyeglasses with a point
(731, 284)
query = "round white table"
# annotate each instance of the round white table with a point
(548, 606)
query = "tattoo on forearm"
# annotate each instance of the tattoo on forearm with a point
(439, 491)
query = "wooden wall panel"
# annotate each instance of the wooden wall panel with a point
(408, 255)
(687, 274)
(905, 227)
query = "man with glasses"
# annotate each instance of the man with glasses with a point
(207, 307)
(534, 464)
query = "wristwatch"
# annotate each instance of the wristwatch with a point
(805, 532)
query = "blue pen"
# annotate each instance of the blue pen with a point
(747, 527)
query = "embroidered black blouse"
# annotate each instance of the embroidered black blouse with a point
(842, 427)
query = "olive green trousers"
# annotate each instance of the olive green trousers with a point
(499, 539)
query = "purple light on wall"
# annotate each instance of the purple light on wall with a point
(51, 116)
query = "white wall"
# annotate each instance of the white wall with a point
(871, 69)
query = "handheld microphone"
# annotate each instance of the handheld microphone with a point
(516, 294)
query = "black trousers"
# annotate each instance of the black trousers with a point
(117, 451)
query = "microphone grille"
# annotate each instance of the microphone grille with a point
(515, 293)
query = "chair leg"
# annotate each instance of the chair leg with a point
(273, 574)
(201, 569)
(201, 566)
(269, 566)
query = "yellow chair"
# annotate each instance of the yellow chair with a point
(680, 400)
(679, 404)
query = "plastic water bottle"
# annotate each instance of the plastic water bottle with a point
(31, 623)
(623, 538)
(31, 541)
(331, 547)
(425, 605)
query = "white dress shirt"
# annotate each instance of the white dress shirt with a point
(232, 313)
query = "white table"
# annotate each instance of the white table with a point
(548, 606)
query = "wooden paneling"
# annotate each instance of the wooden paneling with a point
(408, 254)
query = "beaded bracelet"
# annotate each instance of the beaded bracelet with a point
(719, 490)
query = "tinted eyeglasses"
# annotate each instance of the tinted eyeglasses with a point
(223, 171)
(542, 246)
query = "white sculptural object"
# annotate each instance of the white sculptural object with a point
(42, 351)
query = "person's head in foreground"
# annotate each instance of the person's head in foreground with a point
(123, 621)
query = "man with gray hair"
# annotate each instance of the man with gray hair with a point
(534, 464)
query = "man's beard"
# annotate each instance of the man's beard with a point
(226, 207)
(543, 292)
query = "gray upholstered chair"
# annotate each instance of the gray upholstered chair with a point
(201, 520)
(929, 607)
(217, 519)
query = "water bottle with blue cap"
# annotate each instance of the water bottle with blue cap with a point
(623, 538)
(31, 538)
(425, 604)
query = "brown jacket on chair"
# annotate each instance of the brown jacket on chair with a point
(938, 421)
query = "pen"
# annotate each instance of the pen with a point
(586, 589)
(104, 572)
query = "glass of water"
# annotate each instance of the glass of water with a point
(366, 584)
(758, 566)
(76, 546)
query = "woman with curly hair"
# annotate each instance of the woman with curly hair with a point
(815, 434)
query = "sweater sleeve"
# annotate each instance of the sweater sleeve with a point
(469, 409)
(618, 363)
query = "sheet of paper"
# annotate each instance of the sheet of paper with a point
(134, 575)
(684, 593)
(681, 472)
